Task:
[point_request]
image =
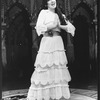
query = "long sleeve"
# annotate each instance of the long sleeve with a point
(70, 28)
(40, 26)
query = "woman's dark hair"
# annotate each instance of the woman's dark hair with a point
(60, 14)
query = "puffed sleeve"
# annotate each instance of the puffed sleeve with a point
(70, 28)
(40, 26)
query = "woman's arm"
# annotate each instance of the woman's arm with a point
(64, 27)
(40, 27)
(53, 24)
(68, 28)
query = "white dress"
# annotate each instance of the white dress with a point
(51, 76)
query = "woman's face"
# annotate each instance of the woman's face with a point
(51, 4)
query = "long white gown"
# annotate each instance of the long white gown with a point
(51, 76)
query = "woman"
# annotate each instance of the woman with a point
(51, 76)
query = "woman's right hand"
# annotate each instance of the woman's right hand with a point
(53, 24)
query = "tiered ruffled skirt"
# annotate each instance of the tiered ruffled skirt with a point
(51, 76)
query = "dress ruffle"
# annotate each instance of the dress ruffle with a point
(51, 44)
(49, 82)
(48, 59)
(51, 76)
(51, 52)
(53, 92)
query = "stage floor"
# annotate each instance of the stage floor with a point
(16, 89)
(76, 94)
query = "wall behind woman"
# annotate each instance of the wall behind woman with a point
(33, 6)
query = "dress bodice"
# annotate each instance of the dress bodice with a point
(46, 17)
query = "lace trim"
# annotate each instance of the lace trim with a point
(45, 59)
(51, 51)
(47, 67)
(50, 65)
(48, 87)
(56, 92)
(64, 82)
(62, 98)
(50, 76)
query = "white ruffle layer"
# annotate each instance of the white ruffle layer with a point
(53, 92)
(50, 83)
(51, 44)
(51, 75)
(51, 52)
(48, 59)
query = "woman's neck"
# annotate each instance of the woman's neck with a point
(52, 10)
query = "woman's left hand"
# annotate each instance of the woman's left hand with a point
(64, 27)
(70, 28)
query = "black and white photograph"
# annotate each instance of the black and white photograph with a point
(49, 50)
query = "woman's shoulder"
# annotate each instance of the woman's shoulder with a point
(43, 11)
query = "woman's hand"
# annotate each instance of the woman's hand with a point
(68, 28)
(52, 24)
(64, 27)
